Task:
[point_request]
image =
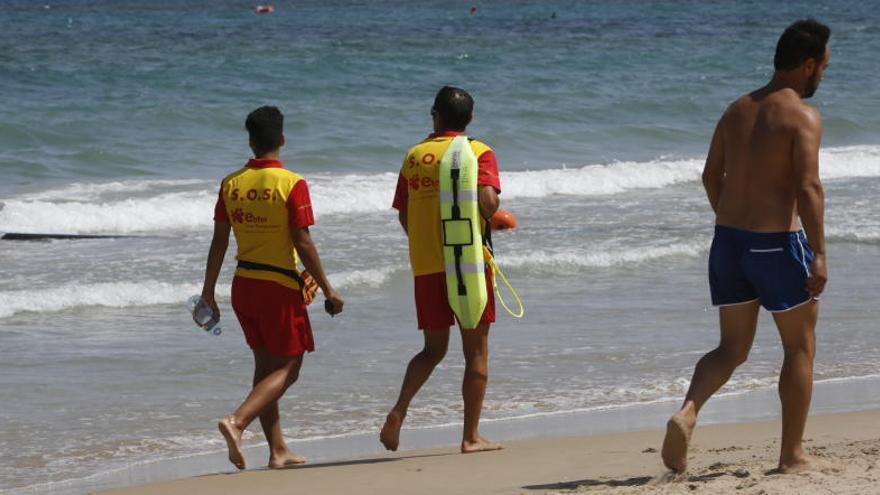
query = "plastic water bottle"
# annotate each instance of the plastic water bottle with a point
(204, 315)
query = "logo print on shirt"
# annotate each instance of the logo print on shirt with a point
(237, 215)
(426, 183)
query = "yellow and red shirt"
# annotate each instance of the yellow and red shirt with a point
(262, 201)
(418, 195)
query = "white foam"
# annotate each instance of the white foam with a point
(352, 193)
(83, 192)
(170, 211)
(858, 234)
(108, 294)
(145, 293)
(373, 278)
(569, 259)
(597, 180)
(849, 162)
(176, 205)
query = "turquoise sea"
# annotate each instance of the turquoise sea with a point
(122, 116)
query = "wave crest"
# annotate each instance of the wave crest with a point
(174, 205)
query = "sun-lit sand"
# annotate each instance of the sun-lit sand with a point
(733, 458)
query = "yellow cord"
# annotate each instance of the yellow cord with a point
(522, 309)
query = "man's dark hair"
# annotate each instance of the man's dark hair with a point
(805, 39)
(265, 126)
(455, 107)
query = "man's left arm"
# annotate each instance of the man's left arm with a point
(489, 184)
(810, 195)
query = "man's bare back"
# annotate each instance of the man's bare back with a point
(757, 136)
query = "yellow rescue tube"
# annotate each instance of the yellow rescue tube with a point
(462, 236)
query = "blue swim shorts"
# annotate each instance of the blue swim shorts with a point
(749, 266)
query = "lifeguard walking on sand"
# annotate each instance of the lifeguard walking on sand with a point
(418, 201)
(762, 179)
(269, 210)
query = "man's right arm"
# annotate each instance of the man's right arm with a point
(216, 253)
(299, 207)
(810, 195)
(713, 172)
(308, 253)
(401, 217)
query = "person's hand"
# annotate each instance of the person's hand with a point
(818, 276)
(310, 287)
(334, 302)
(208, 298)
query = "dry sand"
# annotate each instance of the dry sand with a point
(735, 458)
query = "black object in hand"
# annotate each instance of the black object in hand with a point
(328, 307)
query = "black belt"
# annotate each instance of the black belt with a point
(250, 265)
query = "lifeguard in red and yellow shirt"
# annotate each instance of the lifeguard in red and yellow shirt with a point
(417, 200)
(269, 210)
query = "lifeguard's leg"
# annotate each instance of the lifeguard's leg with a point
(475, 344)
(417, 373)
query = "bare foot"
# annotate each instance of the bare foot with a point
(481, 445)
(390, 434)
(800, 463)
(285, 460)
(232, 434)
(678, 435)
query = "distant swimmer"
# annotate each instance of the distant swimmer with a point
(269, 209)
(762, 180)
(419, 200)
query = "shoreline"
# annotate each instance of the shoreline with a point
(725, 457)
(830, 396)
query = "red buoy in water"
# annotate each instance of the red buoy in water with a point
(503, 220)
(265, 9)
(473, 9)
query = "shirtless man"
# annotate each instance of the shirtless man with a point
(762, 180)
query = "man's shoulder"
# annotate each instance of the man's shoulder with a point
(280, 173)
(287, 174)
(797, 113)
(809, 115)
(428, 144)
(738, 106)
(415, 148)
(234, 175)
(479, 147)
(277, 173)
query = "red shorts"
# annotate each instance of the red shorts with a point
(432, 303)
(272, 316)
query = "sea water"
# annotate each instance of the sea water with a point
(121, 117)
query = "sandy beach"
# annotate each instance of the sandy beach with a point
(730, 458)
